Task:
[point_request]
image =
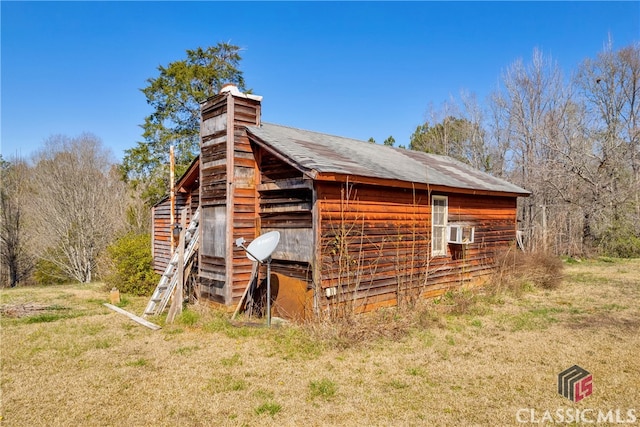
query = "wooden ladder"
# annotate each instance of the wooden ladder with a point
(169, 279)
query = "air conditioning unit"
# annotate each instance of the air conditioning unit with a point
(460, 234)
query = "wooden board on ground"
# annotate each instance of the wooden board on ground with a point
(133, 317)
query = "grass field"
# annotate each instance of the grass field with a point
(68, 360)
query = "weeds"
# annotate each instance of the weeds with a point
(188, 350)
(138, 362)
(295, 341)
(393, 323)
(517, 271)
(226, 383)
(270, 408)
(103, 344)
(231, 361)
(324, 388)
(188, 317)
(415, 371)
(45, 318)
(533, 319)
(396, 384)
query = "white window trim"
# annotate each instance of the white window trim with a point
(442, 228)
(464, 233)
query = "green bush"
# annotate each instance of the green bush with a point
(620, 241)
(132, 265)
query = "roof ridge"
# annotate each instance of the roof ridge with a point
(317, 132)
(399, 149)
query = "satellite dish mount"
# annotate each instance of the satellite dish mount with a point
(260, 250)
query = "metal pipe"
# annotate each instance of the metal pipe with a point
(269, 292)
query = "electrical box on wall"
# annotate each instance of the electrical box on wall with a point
(460, 234)
(331, 292)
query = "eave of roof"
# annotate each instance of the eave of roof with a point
(190, 176)
(327, 157)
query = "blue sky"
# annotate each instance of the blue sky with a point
(355, 69)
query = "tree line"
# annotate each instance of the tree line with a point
(574, 142)
(61, 211)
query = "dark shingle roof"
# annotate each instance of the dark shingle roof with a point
(317, 153)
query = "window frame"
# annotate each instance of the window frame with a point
(465, 233)
(442, 229)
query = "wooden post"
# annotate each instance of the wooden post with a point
(172, 197)
(178, 297)
(544, 229)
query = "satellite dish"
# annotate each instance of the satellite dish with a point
(263, 246)
(260, 250)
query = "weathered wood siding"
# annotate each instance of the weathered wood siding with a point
(494, 219)
(213, 199)
(161, 225)
(285, 205)
(376, 243)
(227, 195)
(161, 235)
(245, 197)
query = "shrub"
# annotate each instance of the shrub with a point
(132, 265)
(620, 241)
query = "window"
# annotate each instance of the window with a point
(439, 213)
(461, 233)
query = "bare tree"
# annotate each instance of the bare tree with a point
(14, 234)
(454, 131)
(574, 143)
(78, 203)
(526, 112)
(138, 214)
(476, 149)
(610, 90)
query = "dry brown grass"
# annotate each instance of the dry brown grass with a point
(517, 270)
(440, 365)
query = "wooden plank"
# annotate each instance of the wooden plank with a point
(254, 270)
(172, 194)
(289, 207)
(229, 230)
(133, 317)
(286, 184)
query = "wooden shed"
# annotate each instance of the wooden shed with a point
(362, 225)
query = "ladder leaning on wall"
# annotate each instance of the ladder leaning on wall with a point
(169, 279)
